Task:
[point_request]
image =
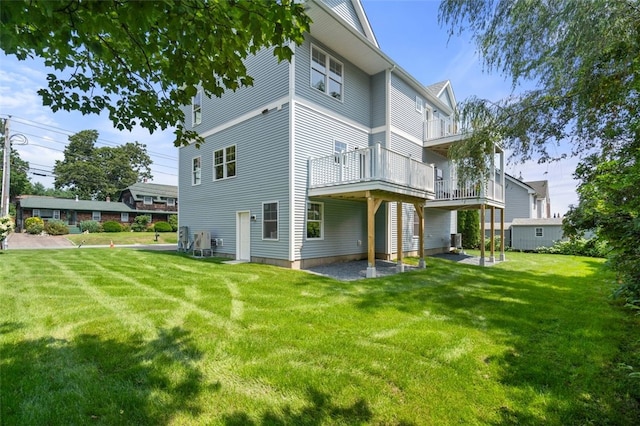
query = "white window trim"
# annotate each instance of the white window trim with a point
(193, 109)
(321, 221)
(124, 217)
(144, 200)
(414, 223)
(55, 214)
(327, 75)
(35, 213)
(419, 104)
(277, 203)
(225, 162)
(541, 232)
(192, 171)
(171, 201)
(98, 214)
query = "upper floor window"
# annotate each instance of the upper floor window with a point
(147, 200)
(197, 109)
(326, 73)
(270, 221)
(171, 202)
(195, 171)
(224, 163)
(419, 104)
(315, 214)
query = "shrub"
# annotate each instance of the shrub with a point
(6, 226)
(496, 243)
(111, 226)
(163, 227)
(173, 221)
(56, 227)
(592, 247)
(140, 223)
(90, 226)
(469, 227)
(34, 225)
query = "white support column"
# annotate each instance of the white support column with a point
(399, 242)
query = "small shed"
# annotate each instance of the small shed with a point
(529, 234)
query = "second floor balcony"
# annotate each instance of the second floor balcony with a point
(370, 169)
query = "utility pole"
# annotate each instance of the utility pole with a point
(6, 164)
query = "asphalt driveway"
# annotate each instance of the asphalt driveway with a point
(27, 241)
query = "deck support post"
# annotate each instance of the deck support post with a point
(420, 212)
(372, 207)
(482, 237)
(492, 256)
(502, 256)
(399, 243)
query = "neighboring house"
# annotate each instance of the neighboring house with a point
(72, 212)
(530, 234)
(524, 201)
(151, 197)
(340, 154)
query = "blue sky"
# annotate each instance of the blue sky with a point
(407, 31)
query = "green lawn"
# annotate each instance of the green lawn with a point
(118, 336)
(123, 238)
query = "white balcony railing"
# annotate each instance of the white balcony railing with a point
(371, 164)
(455, 190)
(439, 128)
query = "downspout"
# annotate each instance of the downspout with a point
(292, 157)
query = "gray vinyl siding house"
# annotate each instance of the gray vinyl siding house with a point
(311, 164)
(530, 234)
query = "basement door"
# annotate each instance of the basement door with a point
(243, 236)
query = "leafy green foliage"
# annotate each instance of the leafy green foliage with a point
(592, 247)
(6, 226)
(469, 227)
(142, 61)
(162, 227)
(90, 226)
(140, 223)
(56, 227)
(584, 59)
(39, 189)
(173, 221)
(111, 226)
(34, 225)
(98, 173)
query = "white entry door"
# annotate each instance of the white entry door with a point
(243, 236)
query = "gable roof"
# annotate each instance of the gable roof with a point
(541, 187)
(537, 222)
(140, 189)
(334, 32)
(518, 182)
(39, 202)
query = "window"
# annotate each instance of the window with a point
(197, 109)
(339, 148)
(147, 200)
(46, 213)
(224, 163)
(195, 170)
(97, 216)
(539, 232)
(315, 221)
(56, 214)
(124, 217)
(270, 221)
(326, 73)
(36, 213)
(171, 202)
(416, 224)
(419, 104)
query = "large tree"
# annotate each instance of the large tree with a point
(582, 59)
(143, 60)
(98, 173)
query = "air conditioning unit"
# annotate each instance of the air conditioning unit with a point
(202, 243)
(456, 241)
(183, 238)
